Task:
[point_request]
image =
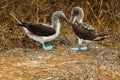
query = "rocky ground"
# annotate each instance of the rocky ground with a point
(61, 63)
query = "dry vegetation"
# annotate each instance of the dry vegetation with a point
(103, 15)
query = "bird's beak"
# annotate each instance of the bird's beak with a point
(72, 18)
(66, 19)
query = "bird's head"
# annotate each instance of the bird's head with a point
(59, 15)
(77, 15)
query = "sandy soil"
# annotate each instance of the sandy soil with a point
(61, 63)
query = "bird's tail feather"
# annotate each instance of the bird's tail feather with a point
(20, 23)
(100, 38)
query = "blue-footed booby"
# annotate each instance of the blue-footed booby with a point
(43, 32)
(85, 32)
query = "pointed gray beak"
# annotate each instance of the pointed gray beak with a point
(72, 19)
(65, 18)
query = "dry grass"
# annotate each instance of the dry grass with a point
(103, 15)
(21, 58)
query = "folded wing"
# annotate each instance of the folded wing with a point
(39, 29)
(84, 31)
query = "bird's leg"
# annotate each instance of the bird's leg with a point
(85, 48)
(79, 47)
(47, 47)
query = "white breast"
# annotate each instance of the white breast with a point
(53, 37)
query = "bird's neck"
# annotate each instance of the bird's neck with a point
(80, 18)
(56, 25)
(80, 21)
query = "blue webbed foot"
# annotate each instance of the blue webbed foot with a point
(81, 48)
(85, 48)
(47, 47)
(76, 49)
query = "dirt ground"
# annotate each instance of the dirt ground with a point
(61, 63)
(23, 59)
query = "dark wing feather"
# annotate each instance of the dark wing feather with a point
(83, 32)
(39, 29)
(87, 26)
